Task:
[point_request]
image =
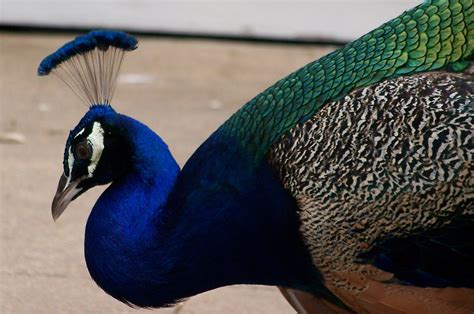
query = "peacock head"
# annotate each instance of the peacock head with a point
(95, 153)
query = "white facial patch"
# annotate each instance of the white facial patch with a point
(96, 140)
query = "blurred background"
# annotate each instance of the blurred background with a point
(331, 20)
(198, 61)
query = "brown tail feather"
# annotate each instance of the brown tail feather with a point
(305, 303)
(380, 297)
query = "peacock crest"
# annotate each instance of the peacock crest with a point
(90, 64)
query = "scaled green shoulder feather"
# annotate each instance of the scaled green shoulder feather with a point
(429, 37)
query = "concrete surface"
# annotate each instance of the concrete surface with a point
(181, 89)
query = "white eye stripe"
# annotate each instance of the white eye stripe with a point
(70, 163)
(96, 140)
(79, 133)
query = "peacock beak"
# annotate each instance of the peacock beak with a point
(65, 193)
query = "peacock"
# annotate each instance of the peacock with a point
(351, 179)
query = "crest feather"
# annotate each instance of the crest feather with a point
(90, 64)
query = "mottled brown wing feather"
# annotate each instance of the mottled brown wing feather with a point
(390, 160)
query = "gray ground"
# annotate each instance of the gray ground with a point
(183, 89)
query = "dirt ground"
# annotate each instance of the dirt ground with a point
(182, 89)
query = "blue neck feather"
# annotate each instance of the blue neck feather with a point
(157, 235)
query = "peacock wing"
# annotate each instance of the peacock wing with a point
(383, 180)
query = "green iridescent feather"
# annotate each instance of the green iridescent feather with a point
(429, 37)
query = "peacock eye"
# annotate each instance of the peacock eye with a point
(83, 150)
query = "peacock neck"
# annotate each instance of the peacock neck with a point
(141, 191)
(124, 224)
(157, 235)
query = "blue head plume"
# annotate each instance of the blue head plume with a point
(90, 63)
(101, 39)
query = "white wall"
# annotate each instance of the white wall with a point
(335, 19)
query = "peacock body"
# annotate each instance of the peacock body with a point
(384, 168)
(351, 178)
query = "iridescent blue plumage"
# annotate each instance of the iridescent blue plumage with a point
(153, 208)
(331, 208)
(185, 232)
(101, 39)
